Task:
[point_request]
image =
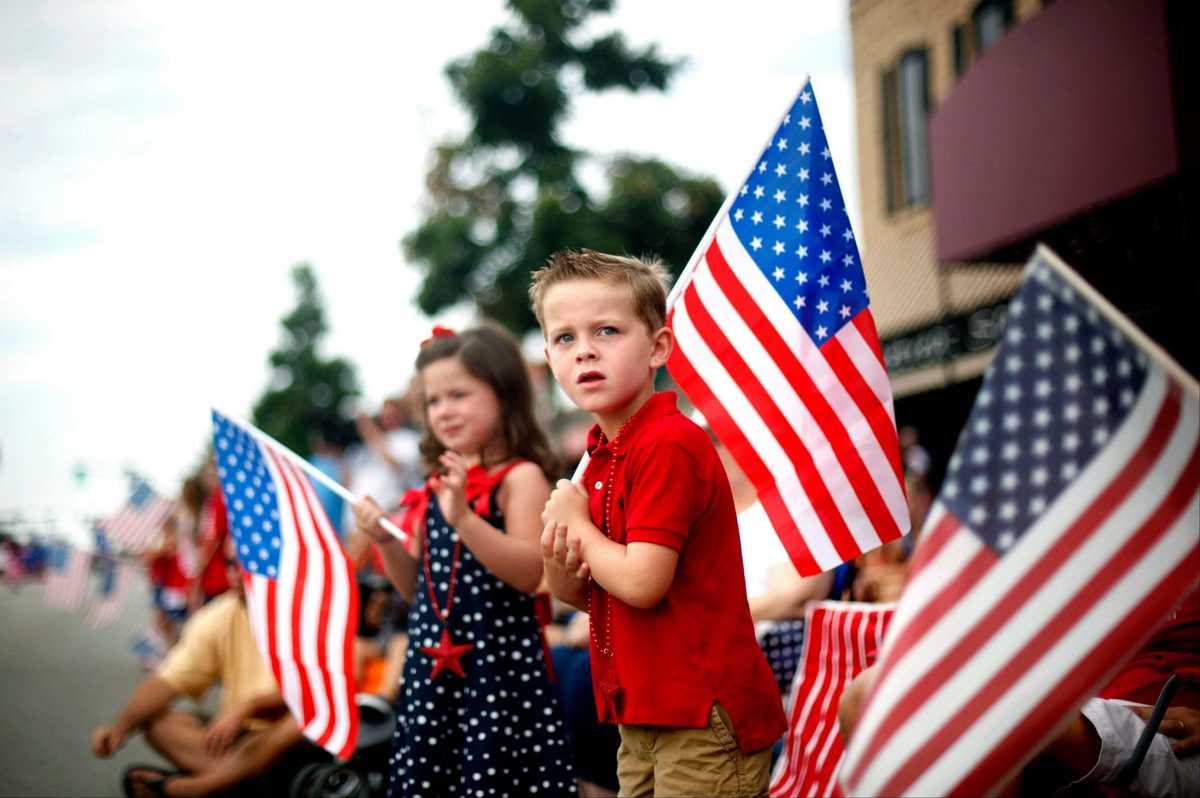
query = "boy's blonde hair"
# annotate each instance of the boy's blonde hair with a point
(646, 279)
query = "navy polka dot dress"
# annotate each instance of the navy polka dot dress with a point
(498, 731)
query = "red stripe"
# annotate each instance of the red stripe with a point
(268, 633)
(865, 322)
(1141, 541)
(844, 448)
(847, 654)
(758, 473)
(868, 403)
(775, 421)
(1143, 620)
(306, 708)
(1005, 607)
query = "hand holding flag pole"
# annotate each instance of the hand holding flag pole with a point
(311, 470)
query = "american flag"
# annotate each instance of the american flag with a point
(776, 345)
(300, 585)
(66, 578)
(140, 521)
(109, 603)
(1067, 528)
(841, 639)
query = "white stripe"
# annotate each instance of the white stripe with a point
(820, 685)
(868, 365)
(726, 391)
(827, 731)
(284, 592)
(785, 398)
(1139, 585)
(824, 378)
(337, 569)
(310, 609)
(996, 586)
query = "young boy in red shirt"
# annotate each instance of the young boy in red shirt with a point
(649, 545)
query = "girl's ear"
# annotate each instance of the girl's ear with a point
(663, 343)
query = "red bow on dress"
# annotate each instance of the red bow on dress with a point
(479, 488)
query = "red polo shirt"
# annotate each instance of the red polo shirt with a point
(670, 662)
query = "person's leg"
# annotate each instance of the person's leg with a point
(635, 767)
(396, 653)
(249, 757)
(594, 744)
(851, 703)
(178, 736)
(708, 761)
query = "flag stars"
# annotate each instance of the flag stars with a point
(822, 333)
(825, 153)
(848, 234)
(756, 243)
(1039, 476)
(802, 277)
(825, 256)
(846, 286)
(950, 489)
(1012, 393)
(1010, 480)
(822, 306)
(1008, 511)
(1100, 406)
(826, 178)
(799, 302)
(1042, 389)
(980, 455)
(979, 485)
(1069, 470)
(1037, 505)
(738, 214)
(780, 195)
(758, 192)
(1072, 383)
(826, 204)
(1041, 417)
(804, 148)
(745, 189)
(1044, 359)
(1012, 422)
(1041, 447)
(1010, 451)
(802, 251)
(825, 231)
(844, 312)
(978, 515)
(756, 217)
(1126, 398)
(1071, 412)
(806, 97)
(805, 123)
(1070, 441)
(762, 167)
(778, 274)
(823, 281)
(848, 260)
(803, 199)
(779, 222)
(1006, 539)
(780, 170)
(802, 225)
(781, 144)
(1100, 436)
(1099, 375)
(779, 247)
(1045, 302)
(1071, 353)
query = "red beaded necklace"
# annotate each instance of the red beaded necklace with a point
(443, 613)
(605, 647)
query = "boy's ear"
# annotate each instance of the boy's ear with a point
(663, 342)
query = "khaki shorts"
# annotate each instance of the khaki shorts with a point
(667, 760)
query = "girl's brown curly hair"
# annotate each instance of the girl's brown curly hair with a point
(491, 354)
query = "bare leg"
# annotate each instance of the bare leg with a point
(178, 737)
(249, 757)
(397, 652)
(851, 703)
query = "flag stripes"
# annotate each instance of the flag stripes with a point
(987, 654)
(108, 607)
(841, 640)
(811, 428)
(138, 523)
(67, 579)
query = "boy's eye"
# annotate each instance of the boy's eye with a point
(565, 338)
(608, 331)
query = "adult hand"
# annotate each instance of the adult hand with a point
(451, 488)
(568, 503)
(1180, 723)
(106, 740)
(222, 730)
(367, 515)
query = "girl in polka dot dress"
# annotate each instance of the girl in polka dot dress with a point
(476, 714)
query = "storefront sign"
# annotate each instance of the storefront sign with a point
(946, 340)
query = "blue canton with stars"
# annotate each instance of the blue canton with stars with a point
(792, 220)
(250, 498)
(142, 494)
(1061, 384)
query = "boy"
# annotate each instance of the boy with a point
(649, 545)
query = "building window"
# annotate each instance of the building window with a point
(905, 143)
(989, 21)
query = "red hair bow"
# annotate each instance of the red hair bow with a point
(439, 332)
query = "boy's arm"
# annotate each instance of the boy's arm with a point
(638, 574)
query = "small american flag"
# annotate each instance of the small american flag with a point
(1067, 528)
(109, 603)
(66, 578)
(776, 345)
(300, 585)
(140, 521)
(841, 640)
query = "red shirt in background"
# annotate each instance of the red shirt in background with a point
(212, 539)
(670, 662)
(1175, 646)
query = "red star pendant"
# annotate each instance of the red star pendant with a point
(446, 656)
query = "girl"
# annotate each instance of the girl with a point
(476, 713)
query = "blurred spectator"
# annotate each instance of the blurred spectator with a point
(913, 455)
(214, 528)
(187, 525)
(388, 459)
(327, 438)
(168, 582)
(252, 731)
(382, 643)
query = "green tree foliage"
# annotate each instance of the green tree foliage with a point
(508, 195)
(304, 386)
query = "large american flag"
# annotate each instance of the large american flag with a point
(1067, 528)
(67, 574)
(140, 521)
(775, 344)
(109, 603)
(841, 640)
(300, 585)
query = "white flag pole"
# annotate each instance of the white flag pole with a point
(311, 470)
(685, 276)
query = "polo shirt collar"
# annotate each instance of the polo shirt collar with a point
(657, 406)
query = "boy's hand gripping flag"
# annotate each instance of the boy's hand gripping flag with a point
(300, 586)
(776, 345)
(1067, 529)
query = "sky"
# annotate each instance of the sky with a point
(164, 166)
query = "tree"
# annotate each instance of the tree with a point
(508, 195)
(304, 386)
